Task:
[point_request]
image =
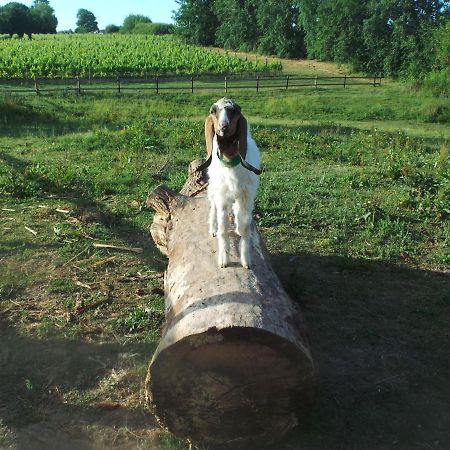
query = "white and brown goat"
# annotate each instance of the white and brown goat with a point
(234, 162)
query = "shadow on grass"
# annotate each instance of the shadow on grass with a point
(82, 198)
(338, 127)
(44, 393)
(380, 336)
(19, 118)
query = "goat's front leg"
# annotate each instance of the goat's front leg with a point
(223, 239)
(243, 218)
(212, 218)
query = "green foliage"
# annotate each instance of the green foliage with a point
(86, 22)
(141, 319)
(15, 18)
(112, 28)
(388, 36)
(268, 26)
(43, 18)
(196, 21)
(438, 80)
(279, 32)
(237, 24)
(132, 20)
(68, 55)
(157, 29)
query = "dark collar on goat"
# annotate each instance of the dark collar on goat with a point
(230, 163)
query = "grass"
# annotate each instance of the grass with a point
(354, 207)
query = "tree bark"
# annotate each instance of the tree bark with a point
(233, 368)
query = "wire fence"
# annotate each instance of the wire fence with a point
(192, 84)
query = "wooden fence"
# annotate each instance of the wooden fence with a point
(191, 84)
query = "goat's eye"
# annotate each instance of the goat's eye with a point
(213, 109)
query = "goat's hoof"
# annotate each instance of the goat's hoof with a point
(213, 234)
(246, 266)
(223, 262)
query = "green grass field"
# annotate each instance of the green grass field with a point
(354, 205)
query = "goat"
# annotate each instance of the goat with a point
(234, 161)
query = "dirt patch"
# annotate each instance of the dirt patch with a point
(306, 67)
(71, 394)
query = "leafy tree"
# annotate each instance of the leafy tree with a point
(153, 28)
(86, 22)
(132, 20)
(237, 24)
(112, 28)
(43, 17)
(333, 29)
(308, 19)
(394, 37)
(196, 21)
(398, 35)
(15, 19)
(442, 46)
(279, 31)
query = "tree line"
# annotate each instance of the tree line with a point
(392, 37)
(16, 18)
(19, 19)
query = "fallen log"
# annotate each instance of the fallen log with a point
(233, 367)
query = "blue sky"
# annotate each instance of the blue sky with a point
(108, 11)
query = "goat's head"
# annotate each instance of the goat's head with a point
(226, 121)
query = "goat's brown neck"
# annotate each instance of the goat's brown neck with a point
(228, 146)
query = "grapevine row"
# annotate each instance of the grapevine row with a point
(96, 55)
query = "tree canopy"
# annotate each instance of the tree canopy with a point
(130, 22)
(86, 22)
(393, 37)
(16, 18)
(196, 21)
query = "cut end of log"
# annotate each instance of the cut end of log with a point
(240, 382)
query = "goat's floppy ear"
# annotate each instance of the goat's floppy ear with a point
(209, 134)
(242, 136)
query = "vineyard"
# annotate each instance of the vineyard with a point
(97, 55)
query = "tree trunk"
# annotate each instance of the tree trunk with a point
(233, 367)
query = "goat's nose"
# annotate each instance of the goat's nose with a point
(223, 125)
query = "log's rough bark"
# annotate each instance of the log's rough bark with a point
(233, 368)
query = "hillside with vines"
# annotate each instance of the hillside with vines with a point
(97, 55)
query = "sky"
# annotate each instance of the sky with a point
(108, 11)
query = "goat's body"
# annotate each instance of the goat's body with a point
(232, 189)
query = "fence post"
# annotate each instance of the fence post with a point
(345, 81)
(287, 82)
(374, 80)
(192, 85)
(36, 85)
(78, 85)
(315, 82)
(226, 85)
(118, 84)
(257, 83)
(157, 85)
